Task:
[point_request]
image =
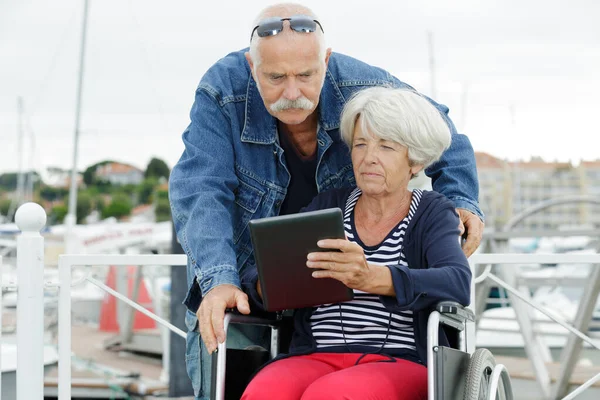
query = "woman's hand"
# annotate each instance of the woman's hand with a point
(350, 267)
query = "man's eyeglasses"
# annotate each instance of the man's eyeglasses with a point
(272, 26)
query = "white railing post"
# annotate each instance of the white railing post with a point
(30, 219)
(1, 312)
(64, 329)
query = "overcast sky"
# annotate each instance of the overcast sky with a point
(521, 77)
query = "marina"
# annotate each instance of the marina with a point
(116, 353)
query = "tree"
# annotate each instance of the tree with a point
(100, 204)
(4, 207)
(157, 169)
(58, 213)
(120, 206)
(84, 206)
(162, 210)
(50, 193)
(8, 181)
(145, 190)
(89, 175)
(129, 189)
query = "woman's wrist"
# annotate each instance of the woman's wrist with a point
(381, 282)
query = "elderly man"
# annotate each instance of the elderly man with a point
(264, 140)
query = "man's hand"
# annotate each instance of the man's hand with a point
(212, 312)
(474, 226)
(259, 289)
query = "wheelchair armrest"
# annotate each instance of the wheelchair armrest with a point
(234, 317)
(454, 315)
(219, 358)
(455, 311)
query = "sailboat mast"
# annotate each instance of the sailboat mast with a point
(431, 64)
(18, 196)
(71, 217)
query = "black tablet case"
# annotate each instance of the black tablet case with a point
(281, 245)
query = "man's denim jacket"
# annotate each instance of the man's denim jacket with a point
(233, 169)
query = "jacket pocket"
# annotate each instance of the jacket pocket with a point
(247, 200)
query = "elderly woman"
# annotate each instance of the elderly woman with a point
(402, 256)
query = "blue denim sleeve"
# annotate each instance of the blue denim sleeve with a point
(455, 174)
(201, 193)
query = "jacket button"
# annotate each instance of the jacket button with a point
(277, 204)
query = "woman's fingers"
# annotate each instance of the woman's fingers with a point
(325, 265)
(343, 245)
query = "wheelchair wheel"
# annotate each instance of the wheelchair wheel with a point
(479, 374)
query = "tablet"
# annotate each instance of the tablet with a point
(281, 245)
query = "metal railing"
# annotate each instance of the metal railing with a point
(508, 263)
(65, 265)
(31, 218)
(1, 324)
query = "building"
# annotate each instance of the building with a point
(506, 188)
(590, 175)
(119, 174)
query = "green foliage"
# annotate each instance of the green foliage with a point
(8, 181)
(4, 207)
(89, 175)
(100, 204)
(145, 190)
(97, 192)
(84, 206)
(50, 193)
(120, 206)
(162, 210)
(162, 195)
(129, 189)
(93, 191)
(157, 169)
(163, 207)
(104, 187)
(58, 213)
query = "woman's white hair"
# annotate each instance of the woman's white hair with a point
(283, 10)
(398, 115)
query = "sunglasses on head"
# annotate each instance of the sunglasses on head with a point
(272, 26)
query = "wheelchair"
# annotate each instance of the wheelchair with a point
(453, 373)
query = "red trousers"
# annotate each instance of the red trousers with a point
(331, 376)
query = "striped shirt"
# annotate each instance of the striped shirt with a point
(364, 321)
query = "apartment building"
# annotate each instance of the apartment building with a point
(509, 187)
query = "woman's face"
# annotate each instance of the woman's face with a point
(381, 167)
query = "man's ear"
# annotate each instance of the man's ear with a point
(250, 63)
(327, 55)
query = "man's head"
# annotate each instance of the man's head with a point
(289, 67)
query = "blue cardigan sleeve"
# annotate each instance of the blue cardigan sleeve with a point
(440, 270)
